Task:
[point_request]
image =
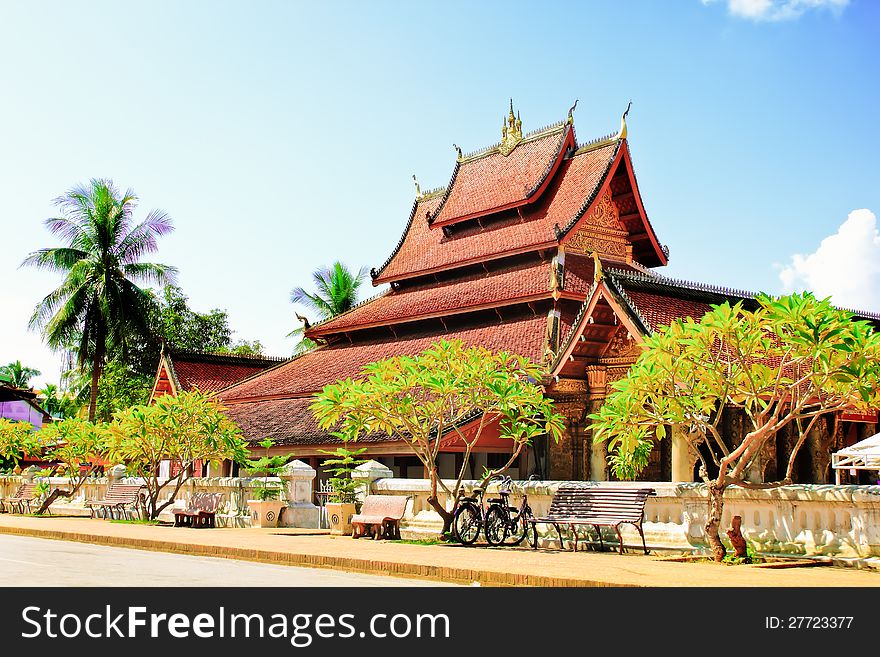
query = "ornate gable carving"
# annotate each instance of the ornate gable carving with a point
(622, 347)
(602, 232)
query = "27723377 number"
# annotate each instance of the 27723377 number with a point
(808, 622)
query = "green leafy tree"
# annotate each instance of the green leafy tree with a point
(336, 292)
(18, 374)
(185, 329)
(76, 447)
(182, 430)
(17, 440)
(268, 466)
(99, 307)
(342, 484)
(788, 364)
(422, 399)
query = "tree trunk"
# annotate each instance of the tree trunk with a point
(736, 538)
(97, 368)
(716, 507)
(434, 501)
(50, 499)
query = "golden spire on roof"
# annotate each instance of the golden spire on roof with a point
(511, 132)
(622, 133)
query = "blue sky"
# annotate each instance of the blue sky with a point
(281, 136)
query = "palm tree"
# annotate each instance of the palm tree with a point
(18, 374)
(99, 307)
(336, 293)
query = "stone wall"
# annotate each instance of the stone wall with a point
(801, 520)
(842, 522)
(233, 510)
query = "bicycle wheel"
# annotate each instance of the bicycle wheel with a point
(496, 525)
(466, 523)
(518, 528)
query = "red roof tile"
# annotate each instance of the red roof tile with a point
(515, 282)
(213, 372)
(486, 182)
(660, 310)
(287, 421)
(312, 371)
(423, 249)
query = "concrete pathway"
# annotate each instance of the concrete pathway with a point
(449, 563)
(26, 561)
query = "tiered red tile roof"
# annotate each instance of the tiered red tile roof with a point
(208, 372)
(424, 250)
(510, 284)
(475, 262)
(490, 182)
(310, 372)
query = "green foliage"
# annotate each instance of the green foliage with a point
(433, 395)
(181, 429)
(344, 486)
(17, 440)
(788, 362)
(268, 466)
(184, 329)
(18, 375)
(99, 308)
(337, 292)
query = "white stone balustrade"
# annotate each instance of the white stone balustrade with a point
(809, 520)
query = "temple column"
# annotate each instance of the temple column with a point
(597, 386)
(682, 459)
(598, 461)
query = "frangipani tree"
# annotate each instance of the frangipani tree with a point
(788, 363)
(180, 429)
(420, 399)
(77, 447)
(17, 440)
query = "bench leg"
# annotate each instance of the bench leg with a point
(599, 534)
(574, 532)
(619, 537)
(642, 534)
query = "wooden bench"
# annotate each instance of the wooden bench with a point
(599, 506)
(21, 499)
(380, 514)
(119, 497)
(200, 511)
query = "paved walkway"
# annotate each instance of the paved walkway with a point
(26, 561)
(451, 563)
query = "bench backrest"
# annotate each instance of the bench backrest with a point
(122, 493)
(600, 502)
(206, 502)
(25, 492)
(387, 506)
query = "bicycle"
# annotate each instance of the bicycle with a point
(503, 521)
(470, 516)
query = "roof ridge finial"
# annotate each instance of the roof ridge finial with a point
(622, 133)
(571, 111)
(418, 188)
(457, 150)
(511, 132)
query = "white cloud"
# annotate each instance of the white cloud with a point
(778, 10)
(846, 266)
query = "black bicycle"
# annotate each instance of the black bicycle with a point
(498, 520)
(509, 525)
(470, 516)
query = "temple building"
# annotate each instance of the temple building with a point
(539, 245)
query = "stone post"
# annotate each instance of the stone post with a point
(301, 511)
(367, 473)
(114, 474)
(29, 473)
(682, 461)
